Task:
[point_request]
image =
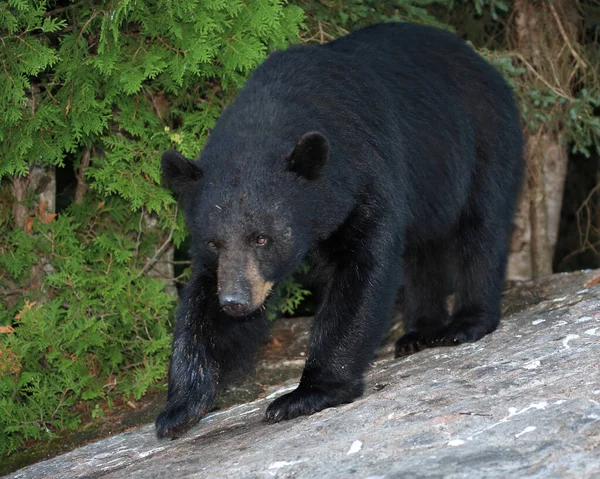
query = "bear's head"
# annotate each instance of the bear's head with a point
(252, 212)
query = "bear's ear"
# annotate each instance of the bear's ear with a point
(309, 155)
(179, 172)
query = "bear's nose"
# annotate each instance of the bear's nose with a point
(235, 304)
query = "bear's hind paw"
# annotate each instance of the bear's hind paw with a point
(457, 332)
(409, 344)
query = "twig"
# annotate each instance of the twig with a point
(584, 231)
(33, 92)
(137, 243)
(585, 205)
(565, 36)
(176, 279)
(60, 402)
(146, 328)
(94, 15)
(174, 262)
(160, 250)
(541, 78)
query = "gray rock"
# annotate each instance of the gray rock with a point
(523, 402)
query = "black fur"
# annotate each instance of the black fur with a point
(391, 157)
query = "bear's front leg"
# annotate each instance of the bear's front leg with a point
(192, 372)
(357, 305)
(210, 348)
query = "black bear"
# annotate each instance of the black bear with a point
(389, 158)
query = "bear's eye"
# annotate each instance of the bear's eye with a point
(212, 244)
(261, 240)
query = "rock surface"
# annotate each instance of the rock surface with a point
(522, 402)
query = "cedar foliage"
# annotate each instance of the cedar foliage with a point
(105, 86)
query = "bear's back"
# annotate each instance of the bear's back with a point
(411, 109)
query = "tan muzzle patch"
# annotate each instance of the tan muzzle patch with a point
(259, 288)
(241, 277)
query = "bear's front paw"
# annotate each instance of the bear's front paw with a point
(177, 419)
(303, 402)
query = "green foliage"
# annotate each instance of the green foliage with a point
(336, 17)
(480, 7)
(288, 295)
(96, 330)
(117, 78)
(545, 106)
(104, 88)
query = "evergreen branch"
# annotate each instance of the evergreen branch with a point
(56, 11)
(563, 33)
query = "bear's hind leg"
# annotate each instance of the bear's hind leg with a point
(426, 287)
(482, 253)
(481, 250)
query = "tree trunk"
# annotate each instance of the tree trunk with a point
(81, 188)
(555, 157)
(519, 258)
(544, 38)
(40, 186)
(19, 206)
